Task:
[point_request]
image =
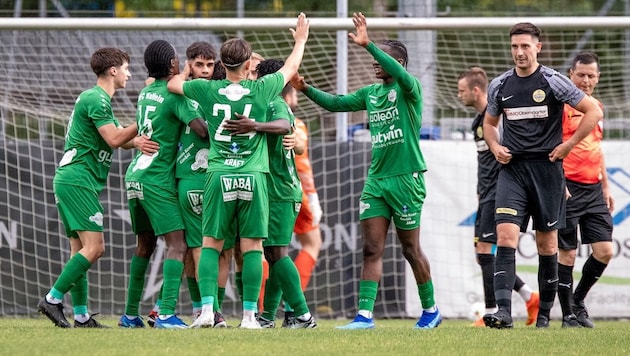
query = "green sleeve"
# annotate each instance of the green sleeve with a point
(337, 103)
(406, 81)
(185, 109)
(100, 112)
(272, 85)
(194, 89)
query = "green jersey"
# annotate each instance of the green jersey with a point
(394, 114)
(284, 183)
(160, 116)
(87, 156)
(192, 157)
(220, 100)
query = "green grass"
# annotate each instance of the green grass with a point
(22, 336)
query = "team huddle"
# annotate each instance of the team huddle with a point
(222, 172)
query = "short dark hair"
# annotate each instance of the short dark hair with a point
(269, 66)
(585, 58)
(107, 57)
(158, 57)
(525, 28)
(235, 52)
(219, 71)
(399, 49)
(201, 49)
(475, 77)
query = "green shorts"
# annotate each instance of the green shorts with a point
(281, 222)
(235, 203)
(399, 197)
(153, 209)
(79, 209)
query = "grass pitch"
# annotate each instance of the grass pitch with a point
(37, 336)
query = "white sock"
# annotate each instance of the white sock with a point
(156, 308)
(433, 309)
(525, 292)
(82, 318)
(491, 310)
(249, 315)
(164, 317)
(366, 314)
(52, 300)
(131, 317)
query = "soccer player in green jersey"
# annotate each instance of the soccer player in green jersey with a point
(92, 133)
(235, 194)
(285, 197)
(394, 187)
(151, 189)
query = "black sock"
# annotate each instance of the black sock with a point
(504, 275)
(547, 282)
(565, 288)
(486, 262)
(591, 271)
(518, 283)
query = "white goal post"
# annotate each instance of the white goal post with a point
(44, 63)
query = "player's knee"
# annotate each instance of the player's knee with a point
(604, 255)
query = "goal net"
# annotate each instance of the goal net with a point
(44, 71)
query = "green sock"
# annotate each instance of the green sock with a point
(208, 272)
(291, 287)
(238, 281)
(252, 276)
(79, 295)
(172, 271)
(425, 291)
(137, 272)
(273, 294)
(367, 294)
(71, 273)
(193, 289)
(220, 297)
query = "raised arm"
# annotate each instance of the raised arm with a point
(300, 35)
(387, 62)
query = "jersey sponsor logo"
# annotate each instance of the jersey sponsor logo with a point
(68, 157)
(297, 207)
(195, 199)
(234, 147)
(507, 211)
(391, 96)
(394, 135)
(105, 157)
(525, 113)
(232, 162)
(363, 207)
(234, 92)
(506, 98)
(201, 160)
(237, 186)
(97, 218)
(539, 95)
(383, 117)
(144, 161)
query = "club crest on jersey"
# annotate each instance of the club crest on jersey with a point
(234, 92)
(538, 95)
(480, 132)
(391, 96)
(201, 160)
